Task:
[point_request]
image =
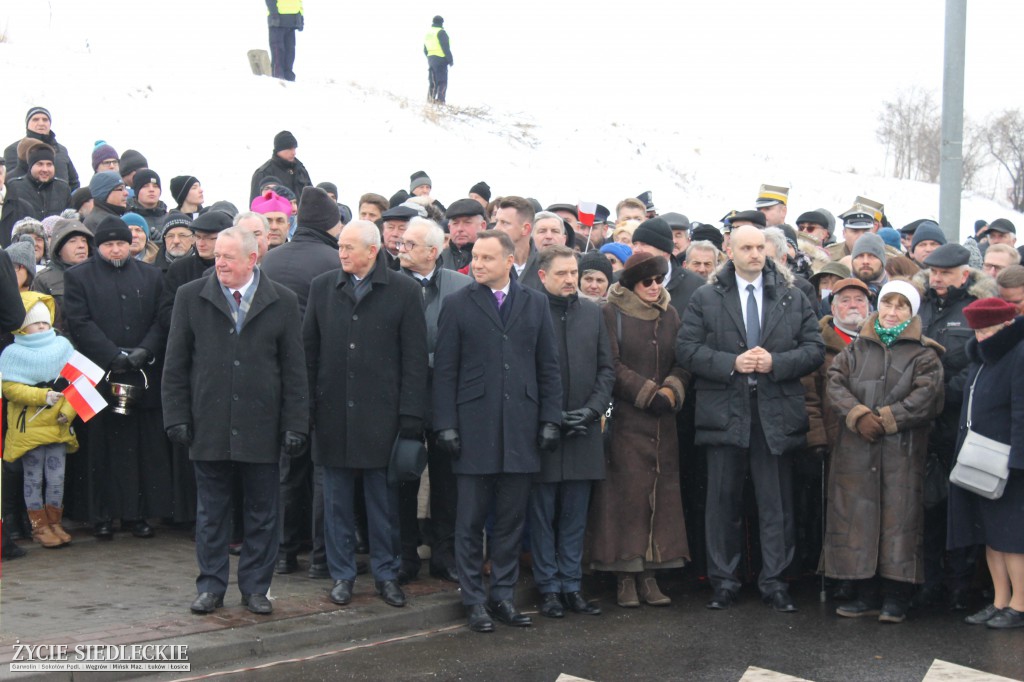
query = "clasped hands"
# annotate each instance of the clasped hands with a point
(756, 360)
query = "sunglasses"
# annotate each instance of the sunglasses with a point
(651, 280)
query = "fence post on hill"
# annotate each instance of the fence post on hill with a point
(951, 168)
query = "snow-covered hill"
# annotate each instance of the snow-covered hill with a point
(175, 85)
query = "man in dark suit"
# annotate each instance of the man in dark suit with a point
(235, 393)
(749, 336)
(366, 355)
(418, 251)
(497, 389)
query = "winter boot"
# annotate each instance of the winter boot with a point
(41, 531)
(650, 592)
(54, 515)
(627, 590)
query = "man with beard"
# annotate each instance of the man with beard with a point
(146, 201)
(178, 239)
(109, 197)
(868, 264)
(36, 195)
(37, 127)
(277, 210)
(111, 305)
(466, 218)
(283, 165)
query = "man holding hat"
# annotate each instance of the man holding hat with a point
(36, 195)
(283, 165)
(654, 236)
(950, 285)
(466, 217)
(146, 201)
(37, 127)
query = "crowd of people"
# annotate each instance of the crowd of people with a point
(563, 388)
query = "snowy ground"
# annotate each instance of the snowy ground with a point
(560, 101)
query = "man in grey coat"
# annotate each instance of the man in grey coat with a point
(749, 336)
(235, 393)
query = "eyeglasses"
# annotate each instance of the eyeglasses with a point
(808, 227)
(109, 163)
(407, 245)
(651, 280)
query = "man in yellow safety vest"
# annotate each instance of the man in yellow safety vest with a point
(284, 17)
(439, 58)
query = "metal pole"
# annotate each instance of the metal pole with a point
(951, 171)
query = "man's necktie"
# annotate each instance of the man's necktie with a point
(424, 282)
(753, 319)
(238, 297)
(499, 296)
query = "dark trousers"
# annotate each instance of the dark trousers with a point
(509, 494)
(444, 495)
(213, 525)
(282, 52)
(438, 78)
(302, 503)
(409, 526)
(953, 568)
(340, 522)
(772, 478)
(558, 520)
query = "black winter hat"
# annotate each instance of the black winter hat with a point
(640, 266)
(284, 140)
(418, 179)
(212, 222)
(317, 210)
(595, 260)
(399, 197)
(131, 161)
(752, 216)
(707, 233)
(482, 189)
(112, 229)
(438, 20)
(37, 110)
(656, 233)
(40, 152)
(180, 186)
(328, 187)
(176, 219)
(143, 178)
(79, 197)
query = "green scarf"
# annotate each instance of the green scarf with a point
(888, 336)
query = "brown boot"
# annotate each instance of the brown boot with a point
(650, 591)
(54, 515)
(627, 590)
(41, 531)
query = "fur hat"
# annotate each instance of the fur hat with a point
(640, 266)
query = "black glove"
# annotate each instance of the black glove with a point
(180, 434)
(549, 436)
(660, 405)
(410, 428)
(120, 363)
(293, 443)
(576, 418)
(448, 441)
(137, 357)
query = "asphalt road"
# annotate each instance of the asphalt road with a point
(681, 642)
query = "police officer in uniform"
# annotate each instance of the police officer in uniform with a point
(439, 58)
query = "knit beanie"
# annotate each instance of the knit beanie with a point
(619, 250)
(79, 197)
(890, 236)
(284, 140)
(272, 202)
(904, 289)
(40, 152)
(37, 110)
(23, 253)
(654, 232)
(37, 313)
(927, 231)
(328, 187)
(317, 210)
(419, 179)
(135, 219)
(102, 184)
(869, 243)
(176, 219)
(132, 161)
(595, 260)
(143, 178)
(100, 153)
(399, 198)
(640, 266)
(112, 229)
(481, 189)
(988, 312)
(180, 186)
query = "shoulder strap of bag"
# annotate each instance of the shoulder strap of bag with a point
(970, 396)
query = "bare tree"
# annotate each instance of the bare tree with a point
(1005, 139)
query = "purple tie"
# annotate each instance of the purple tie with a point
(499, 296)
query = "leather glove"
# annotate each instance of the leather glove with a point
(137, 357)
(575, 418)
(180, 434)
(548, 437)
(660, 405)
(448, 441)
(410, 427)
(293, 443)
(120, 363)
(870, 427)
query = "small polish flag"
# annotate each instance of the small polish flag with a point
(78, 365)
(84, 397)
(587, 211)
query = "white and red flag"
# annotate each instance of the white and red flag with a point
(84, 397)
(78, 365)
(588, 212)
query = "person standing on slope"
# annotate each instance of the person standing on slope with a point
(439, 58)
(284, 17)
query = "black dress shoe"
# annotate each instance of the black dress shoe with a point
(390, 592)
(207, 602)
(478, 620)
(721, 599)
(858, 608)
(983, 616)
(444, 573)
(286, 564)
(506, 612)
(781, 601)
(1006, 619)
(551, 606)
(893, 611)
(341, 593)
(140, 529)
(575, 602)
(319, 571)
(104, 530)
(11, 551)
(258, 604)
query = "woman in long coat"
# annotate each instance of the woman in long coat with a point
(997, 361)
(636, 517)
(886, 388)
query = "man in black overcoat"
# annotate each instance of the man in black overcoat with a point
(366, 354)
(235, 393)
(497, 404)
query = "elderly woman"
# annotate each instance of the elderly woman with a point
(636, 517)
(141, 248)
(885, 389)
(997, 365)
(595, 277)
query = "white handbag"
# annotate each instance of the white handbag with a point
(983, 464)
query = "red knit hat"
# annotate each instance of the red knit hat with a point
(988, 312)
